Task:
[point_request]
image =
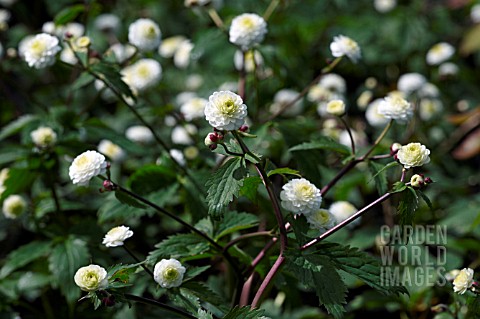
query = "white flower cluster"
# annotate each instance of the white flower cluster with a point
(463, 281)
(13, 206)
(168, 273)
(116, 236)
(225, 111)
(85, 166)
(91, 278)
(142, 75)
(247, 30)
(144, 34)
(374, 118)
(413, 154)
(44, 137)
(321, 220)
(39, 51)
(343, 45)
(300, 196)
(396, 108)
(194, 108)
(330, 87)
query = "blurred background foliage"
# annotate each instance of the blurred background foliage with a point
(38, 282)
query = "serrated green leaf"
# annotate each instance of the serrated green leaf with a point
(473, 303)
(83, 80)
(244, 313)
(249, 188)
(407, 206)
(205, 294)
(300, 228)
(121, 272)
(65, 259)
(379, 175)
(193, 272)
(114, 211)
(129, 200)
(23, 256)
(284, 171)
(68, 14)
(322, 143)
(425, 199)
(185, 299)
(202, 314)
(330, 289)
(233, 221)
(205, 225)
(398, 187)
(178, 246)
(16, 125)
(224, 185)
(150, 178)
(110, 74)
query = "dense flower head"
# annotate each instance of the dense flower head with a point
(417, 180)
(4, 173)
(168, 273)
(428, 108)
(183, 134)
(384, 6)
(91, 278)
(4, 17)
(247, 30)
(287, 96)
(144, 34)
(112, 150)
(43, 136)
(463, 281)
(448, 69)
(300, 196)
(142, 75)
(410, 82)
(139, 134)
(122, 52)
(336, 107)
(321, 220)
(85, 166)
(116, 236)
(396, 108)
(413, 154)
(439, 53)
(13, 206)
(194, 108)
(374, 118)
(225, 110)
(342, 210)
(343, 45)
(181, 58)
(248, 61)
(40, 50)
(107, 22)
(170, 45)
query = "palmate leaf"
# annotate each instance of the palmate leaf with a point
(244, 313)
(233, 221)
(178, 246)
(23, 256)
(223, 185)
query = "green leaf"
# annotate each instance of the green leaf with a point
(426, 199)
(233, 221)
(16, 125)
(185, 299)
(249, 188)
(64, 261)
(110, 74)
(322, 143)
(202, 314)
(129, 200)
(223, 185)
(473, 303)
(150, 178)
(68, 14)
(284, 171)
(23, 256)
(379, 175)
(330, 289)
(205, 294)
(121, 272)
(83, 80)
(398, 187)
(381, 170)
(178, 246)
(407, 206)
(244, 313)
(193, 272)
(114, 211)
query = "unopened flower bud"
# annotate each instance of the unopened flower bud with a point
(417, 180)
(68, 35)
(212, 147)
(394, 148)
(336, 107)
(211, 139)
(243, 128)
(108, 185)
(428, 180)
(83, 42)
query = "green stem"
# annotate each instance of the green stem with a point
(271, 8)
(216, 18)
(378, 140)
(138, 260)
(155, 303)
(349, 131)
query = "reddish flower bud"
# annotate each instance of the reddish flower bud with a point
(243, 128)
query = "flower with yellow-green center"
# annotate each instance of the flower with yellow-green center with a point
(413, 154)
(85, 166)
(116, 236)
(142, 75)
(168, 273)
(194, 108)
(144, 34)
(13, 206)
(463, 281)
(343, 45)
(83, 42)
(321, 220)
(342, 210)
(39, 51)
(336, 107)
(43, 136)
(247, 30)
(439, 53)
(417, 180)
(112, 150)
(225, 111)
(91, 278)
(3, 177)
(396, 108)
(300, 196)
(140, 134)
